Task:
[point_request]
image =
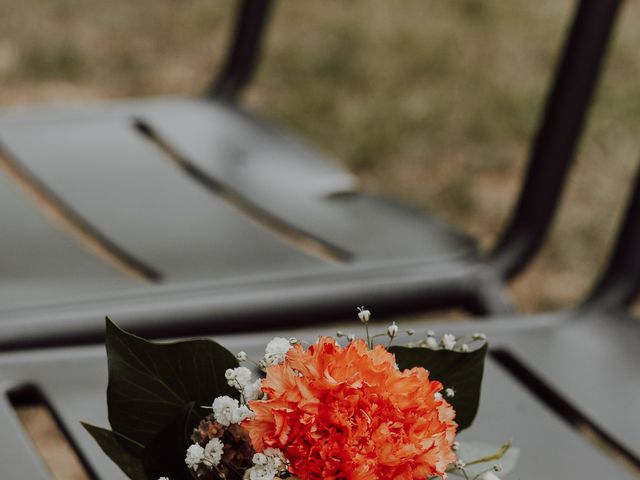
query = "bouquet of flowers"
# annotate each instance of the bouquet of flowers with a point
(340, 408)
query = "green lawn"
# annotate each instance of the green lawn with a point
(432, 101)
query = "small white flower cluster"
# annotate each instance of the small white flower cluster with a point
(364, 316)
(209, 456)
(276, 351)
(240, 379)
(266, 465)
(227, 410)
(488, 474)
(449, 342)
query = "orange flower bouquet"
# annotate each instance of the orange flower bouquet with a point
(337, 409)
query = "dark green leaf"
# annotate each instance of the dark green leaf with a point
(119, 449)
(460, 371)
(164, 455)
(150, 384)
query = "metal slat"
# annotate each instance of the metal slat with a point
(18, 459)
(39, 262)
(593, 362)
(114, 178)
(304, 189)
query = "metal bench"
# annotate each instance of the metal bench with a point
(199, 217)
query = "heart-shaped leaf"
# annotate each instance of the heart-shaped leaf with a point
(151, 384)
(457, 370)
(113, 445)
(164, 455)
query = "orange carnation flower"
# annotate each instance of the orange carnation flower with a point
(350, 414)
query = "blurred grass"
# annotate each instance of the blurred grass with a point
(432, 101)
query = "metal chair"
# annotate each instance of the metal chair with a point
(230, 224)
(551, 382)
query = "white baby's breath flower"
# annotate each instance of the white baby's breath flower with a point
(243, 375)
(260, 459)
(437, 396)
(488, 476)
(276, 458)
(260, 472)
(195, 455)
(448, 341)
(213, 453)
(479, 336)
(241, 356)
(364, 315)
(253, 391)
(238, 377)
(163, 478)
(276, 351)
(432, 343)
(449, 392)
(392, 331)
(241, 413)
(225, 410)
(266, 465)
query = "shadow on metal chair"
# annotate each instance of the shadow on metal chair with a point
(199, 217)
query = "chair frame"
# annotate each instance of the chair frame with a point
(555, 142)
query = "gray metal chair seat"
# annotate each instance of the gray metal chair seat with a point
(72, 381)
(99, 164)
(121, 194)
(583, 362)
(564, 386)
(232, 224)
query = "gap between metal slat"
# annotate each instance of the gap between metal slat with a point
(48, 435)
(61, 214)
(301, 240)
(568, 412)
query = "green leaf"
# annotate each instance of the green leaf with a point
(118, 448)
(164, 455)
(457, 370)
(151, 384)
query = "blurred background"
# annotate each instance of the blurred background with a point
(434, 102)
(431, 101)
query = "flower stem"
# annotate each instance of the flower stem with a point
(495, 456)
